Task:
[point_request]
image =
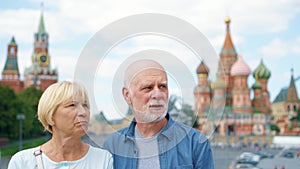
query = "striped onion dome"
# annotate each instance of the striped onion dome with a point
(261, 72)
(257, 85)
(240, 68)
(202, 68)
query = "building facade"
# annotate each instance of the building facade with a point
(285, 107)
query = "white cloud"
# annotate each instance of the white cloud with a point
(20, 23)
(275, 49)
(295, 47)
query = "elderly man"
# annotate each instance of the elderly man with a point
(153, 139)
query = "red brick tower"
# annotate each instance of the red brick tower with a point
(10, 73)
(40, 74)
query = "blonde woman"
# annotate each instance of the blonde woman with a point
(64, 111)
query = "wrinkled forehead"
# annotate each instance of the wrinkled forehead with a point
(143, 68)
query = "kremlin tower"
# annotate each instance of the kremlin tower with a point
(40, 74)
(10, 73)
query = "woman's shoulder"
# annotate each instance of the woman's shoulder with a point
(27, 153)
(97, 151)
(23, 158)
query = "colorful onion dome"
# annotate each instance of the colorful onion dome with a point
(218, 84)
(257, 85)
(262, 72)
(202, 68)
(240, 68)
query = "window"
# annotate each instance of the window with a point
(12, 50)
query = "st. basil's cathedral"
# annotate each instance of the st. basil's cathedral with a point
(241, 115)
(39, 74)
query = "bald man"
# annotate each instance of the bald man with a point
(154, 140)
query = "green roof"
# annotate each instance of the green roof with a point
(11, 64)
(281, 97)
(13, 41)
(41, 29)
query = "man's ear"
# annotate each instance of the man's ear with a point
(126, 95)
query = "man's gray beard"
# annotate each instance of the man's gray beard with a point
(148, 116)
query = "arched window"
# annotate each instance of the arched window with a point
(295, 108)
(12, 50)
(288, 108)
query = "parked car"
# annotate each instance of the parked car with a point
(264, 154)
(287, 154)
(248, 158)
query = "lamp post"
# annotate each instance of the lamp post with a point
(20, 117)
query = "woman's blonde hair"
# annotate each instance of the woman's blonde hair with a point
(53, 96)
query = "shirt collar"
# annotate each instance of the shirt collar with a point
(165, 131)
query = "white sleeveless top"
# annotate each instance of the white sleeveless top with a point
(95, 158)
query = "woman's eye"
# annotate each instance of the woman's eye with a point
(72, 105)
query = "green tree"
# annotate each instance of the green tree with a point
(8, 110)
(29, 99)
(274, 127)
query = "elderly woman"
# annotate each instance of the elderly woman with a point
(64, 111)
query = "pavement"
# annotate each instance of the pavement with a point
(4, 162)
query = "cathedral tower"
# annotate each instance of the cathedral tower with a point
(228, 57)
(202, 91)
(262, 75)
(241, 106)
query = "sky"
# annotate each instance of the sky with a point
(267, 30)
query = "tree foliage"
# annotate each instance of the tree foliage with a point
(29, 99)
(8, 110)
(12, 104)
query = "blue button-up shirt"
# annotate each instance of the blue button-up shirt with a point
(179, 146)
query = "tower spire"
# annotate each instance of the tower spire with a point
(41, 29)
(42, 7)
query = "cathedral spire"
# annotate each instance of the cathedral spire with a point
(228, 47)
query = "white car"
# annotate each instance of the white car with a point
(248, 158)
